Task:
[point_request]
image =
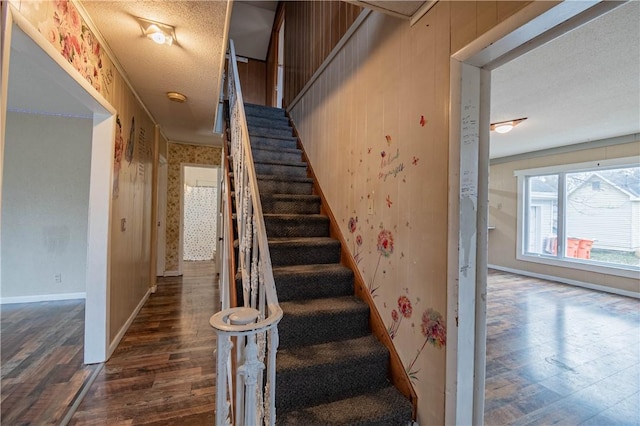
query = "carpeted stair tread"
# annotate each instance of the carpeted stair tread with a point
(267, 153)
(283, 163)
(313, 321)
(256, 120)
(385, 407)
(312, 281)
(303, 251)
(290, 203)
(270, 131)
(273, 142)
(325, 373)
(296, 225)
(284, 170)
(263, 110)
(285, 178)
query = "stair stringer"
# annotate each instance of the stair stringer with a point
(397, 373)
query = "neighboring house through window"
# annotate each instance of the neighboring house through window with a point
(584, 216)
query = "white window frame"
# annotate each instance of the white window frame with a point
(574, 263)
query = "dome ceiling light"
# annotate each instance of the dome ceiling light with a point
(177, 97)
(158, 32)
(506, 126)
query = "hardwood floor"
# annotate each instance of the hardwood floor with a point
(163, 371)
(42, 354)
(558, 354)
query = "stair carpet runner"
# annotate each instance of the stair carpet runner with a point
(330, 369)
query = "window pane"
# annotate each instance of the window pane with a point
(542, 215)
(603, 216)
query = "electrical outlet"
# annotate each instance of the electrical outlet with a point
(58, 278)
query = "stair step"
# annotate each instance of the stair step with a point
(303, 251)
(265, 154)
(270, 184)
(270, 131)
(324, 373)
(314, 321)
(261, 110)
(279, 122)
(290, 203)
(273, 142)
(312, 281)
(296, 225)
(385, 407)
(281, 168)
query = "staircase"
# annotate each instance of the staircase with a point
(330, 369)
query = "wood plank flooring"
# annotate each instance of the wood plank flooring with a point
(558, 354)
(42, 354)
(163, 371)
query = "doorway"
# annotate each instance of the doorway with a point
(45, 86)
(162, 216)
(470, 81)
(199, 213)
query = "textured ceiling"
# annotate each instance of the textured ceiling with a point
(582, 86)
(191, 67)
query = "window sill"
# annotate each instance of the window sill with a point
(619, 271)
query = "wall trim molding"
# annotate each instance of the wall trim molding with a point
(42, 298)
(172, 274)
(576, 283)
(116, 340)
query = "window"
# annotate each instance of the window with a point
(585, 216)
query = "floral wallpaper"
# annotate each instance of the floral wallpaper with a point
(181, 154)
(61, 24)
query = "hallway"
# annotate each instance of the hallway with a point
(163, 371)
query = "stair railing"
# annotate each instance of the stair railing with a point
(244, 395)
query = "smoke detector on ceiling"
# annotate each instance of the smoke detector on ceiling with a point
(177, 97)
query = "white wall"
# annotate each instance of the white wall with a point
(201, 176)
(45, 206)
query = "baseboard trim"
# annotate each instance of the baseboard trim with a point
(172, 273)
(42, 298)
(116, 340)
(590, 286)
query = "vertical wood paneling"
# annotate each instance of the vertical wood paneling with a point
(253, 77)
(312, 30)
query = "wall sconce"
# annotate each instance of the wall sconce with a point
(506, 126)
(158, 32)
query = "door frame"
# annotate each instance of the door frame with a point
(96, 334)
(469, 134)
(162, 216)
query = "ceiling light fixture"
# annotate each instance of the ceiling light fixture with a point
(158, 32)
(506, 126)
(177, 97)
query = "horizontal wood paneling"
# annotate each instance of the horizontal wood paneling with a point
(312, 30)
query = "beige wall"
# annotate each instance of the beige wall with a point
(375, 126)
(503, 215)
(182, 154)
(45, 205)
(129, 248)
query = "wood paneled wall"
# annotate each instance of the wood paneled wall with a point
(253, 78)
(311, 30)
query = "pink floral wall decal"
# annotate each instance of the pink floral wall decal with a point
(415, 161)
(353, 226)
(385, 248)
(405, 309)
(388, 138)
(422, 121)
(434, 330)
(389, 202)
